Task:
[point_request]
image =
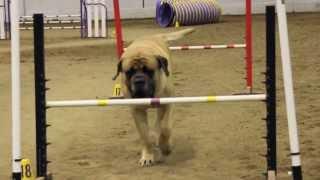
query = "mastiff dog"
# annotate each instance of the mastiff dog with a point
(145, 69)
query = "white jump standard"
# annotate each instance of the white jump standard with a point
(16, 91)
(94, 12)
(288, 87)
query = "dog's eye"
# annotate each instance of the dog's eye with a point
(149, 72)
(130, 72)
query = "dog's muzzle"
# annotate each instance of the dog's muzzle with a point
(141, 86)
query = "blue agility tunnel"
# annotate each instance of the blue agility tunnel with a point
(187, 12)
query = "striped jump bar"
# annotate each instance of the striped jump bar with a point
(207, 47)
(155, 101)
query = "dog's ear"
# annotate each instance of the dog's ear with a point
(119, 69)
(163, 63)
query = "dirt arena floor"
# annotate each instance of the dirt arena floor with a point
(211, 141)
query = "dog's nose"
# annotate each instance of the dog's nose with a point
(139, 80)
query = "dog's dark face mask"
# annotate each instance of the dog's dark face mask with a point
(140, 79)
(141, 82)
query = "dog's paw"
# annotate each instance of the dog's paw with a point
(147, 160)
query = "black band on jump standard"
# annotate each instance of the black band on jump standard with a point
(296, 173)
(16, 176)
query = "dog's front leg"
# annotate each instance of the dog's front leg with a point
(141, 121)
(164, 125)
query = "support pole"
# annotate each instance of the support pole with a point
(271, 93)
(117, 19)
(7, 18)
(15, 96)
(104, 12)
(249, 66)
(288, 87)
(89, 9)
(40, 90)
(2, 20)
(96, 18)
(82, 19)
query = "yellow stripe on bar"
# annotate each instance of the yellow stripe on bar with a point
(102, 102)
(211, 98)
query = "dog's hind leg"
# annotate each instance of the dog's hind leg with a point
(164, 125)
(141, 121)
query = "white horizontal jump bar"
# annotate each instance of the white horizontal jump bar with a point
(53, 16)
(155, 101)
(53, 28)
(207, 47)
(52, 22)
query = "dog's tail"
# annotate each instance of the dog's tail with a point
(177, 35)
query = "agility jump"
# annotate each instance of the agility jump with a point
(269, 97)
(247, 45)
(91, 21)
(42, 105)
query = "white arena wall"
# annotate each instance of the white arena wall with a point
(134, 8)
